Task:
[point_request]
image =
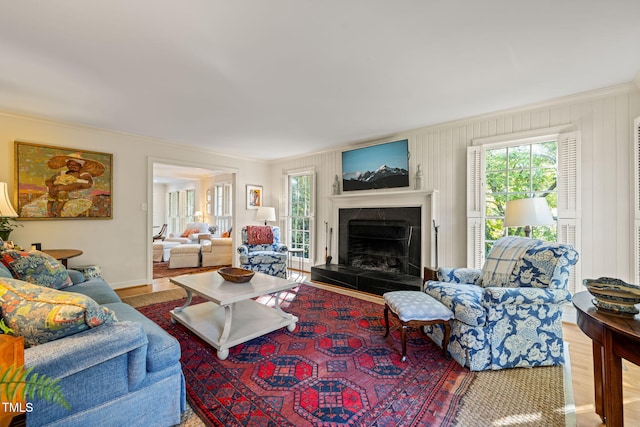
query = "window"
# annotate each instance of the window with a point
(523, 165)
(191, 205)
(174, 218)
(181, 209)
(518, 172)
(222, 206)
(300, 191)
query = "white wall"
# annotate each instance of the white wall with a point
(122, 245)
(605, 121)
(159, 205)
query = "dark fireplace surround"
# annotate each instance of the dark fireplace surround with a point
(379, 250)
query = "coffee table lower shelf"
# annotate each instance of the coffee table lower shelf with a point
(241, 321)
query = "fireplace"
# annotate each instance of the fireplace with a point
(380, 239)
(379, 250)
(379, 245)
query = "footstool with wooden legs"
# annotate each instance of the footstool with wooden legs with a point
(416, 309)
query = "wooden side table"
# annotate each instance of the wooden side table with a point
(63, 255)
(614, 338)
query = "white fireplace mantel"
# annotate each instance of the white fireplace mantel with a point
(426, 200)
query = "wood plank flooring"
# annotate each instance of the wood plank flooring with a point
(579, 353)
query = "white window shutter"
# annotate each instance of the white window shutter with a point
(568, 175)
(569, 200)
(475, 172)
(475, 203)
(568, 233)
(636, 197)
(475, 242)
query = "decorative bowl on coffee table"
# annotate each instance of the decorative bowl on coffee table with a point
(236, 275)
(614, 296)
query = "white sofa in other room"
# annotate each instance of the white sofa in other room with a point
(192, 233)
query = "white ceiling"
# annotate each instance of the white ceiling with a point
(276, 78)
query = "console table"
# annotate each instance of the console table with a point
(63, 255)
(614, 338)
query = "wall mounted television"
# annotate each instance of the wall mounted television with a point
(379, 166)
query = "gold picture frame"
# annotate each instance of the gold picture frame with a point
(55, 182)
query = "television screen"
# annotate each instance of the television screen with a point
(378, 166)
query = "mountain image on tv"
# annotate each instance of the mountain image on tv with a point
(379, 166)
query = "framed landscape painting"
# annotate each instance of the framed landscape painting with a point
(62, 183)
(254, 196)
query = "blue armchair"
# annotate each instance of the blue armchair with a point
(509, 314)
(268, 258)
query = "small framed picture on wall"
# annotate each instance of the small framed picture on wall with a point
(254, 196)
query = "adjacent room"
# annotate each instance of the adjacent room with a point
(286, 213)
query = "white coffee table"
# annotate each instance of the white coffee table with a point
(230, 316)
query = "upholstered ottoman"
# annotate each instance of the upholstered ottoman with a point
(217, 251)
(416, 309)
(162, 250)
(185, 256)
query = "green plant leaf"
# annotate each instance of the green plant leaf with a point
(42, 386)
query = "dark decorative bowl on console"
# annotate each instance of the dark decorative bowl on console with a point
(614, 296)
(236, 275)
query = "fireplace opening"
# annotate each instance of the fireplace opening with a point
(381, 239)
(379, 250)
(379, 245)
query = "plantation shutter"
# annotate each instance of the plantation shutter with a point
(569, 199)
(636, 196)
(475, 203)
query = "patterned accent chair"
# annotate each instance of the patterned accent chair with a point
(265, 258)
(509, 314)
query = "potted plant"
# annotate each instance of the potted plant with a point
(18, 383)
(7, 225)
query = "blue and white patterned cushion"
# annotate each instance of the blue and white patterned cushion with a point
(416, 305)
(459, 275)
(464, 300)
(538, 265)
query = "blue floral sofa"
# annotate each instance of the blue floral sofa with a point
(509, 314)
(116, 367)
(264, 257)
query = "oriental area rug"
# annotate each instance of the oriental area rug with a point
(337, 369)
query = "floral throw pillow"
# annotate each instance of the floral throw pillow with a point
(41, 314)
(36, 267)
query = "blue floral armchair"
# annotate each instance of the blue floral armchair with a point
(509, 314)
(270, 258)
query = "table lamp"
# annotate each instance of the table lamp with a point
(265, 213)
(6, 210)
(527, 212)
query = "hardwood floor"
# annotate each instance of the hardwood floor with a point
(579, 353)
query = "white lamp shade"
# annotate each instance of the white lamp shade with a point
(266, 214)
(523, 212)
(6, 210)
(198, 214)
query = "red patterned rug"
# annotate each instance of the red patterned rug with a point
(335, 369)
